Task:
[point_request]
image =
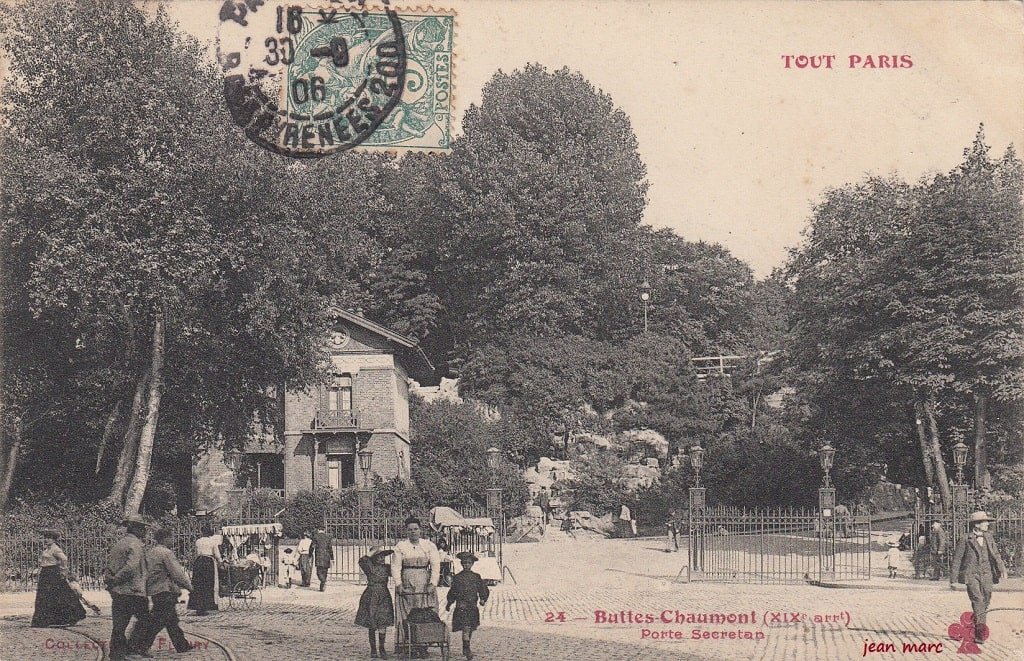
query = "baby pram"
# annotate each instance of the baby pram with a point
(242, 585)
(422, 628)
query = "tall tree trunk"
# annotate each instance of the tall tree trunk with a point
(940, 463)
(10, 459)
(146, 438)
(982, 478)
(5, 442)
(131, 440)
(926, 449)
(108, 432)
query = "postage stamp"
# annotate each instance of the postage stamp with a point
(307, 82)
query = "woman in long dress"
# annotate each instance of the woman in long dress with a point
(56, 603)
(203, 597)
(415, 568)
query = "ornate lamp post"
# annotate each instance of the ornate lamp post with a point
(697, 503)
(365, 492)
(645, 296)
(494, 492)
(826, 514)
(960, 460)
(960, 494)
(495, 506)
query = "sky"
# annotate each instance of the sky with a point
(737, 147)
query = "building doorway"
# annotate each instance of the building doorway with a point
(341, 470)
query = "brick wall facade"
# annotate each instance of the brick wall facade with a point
(380, 398)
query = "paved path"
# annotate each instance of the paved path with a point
(605, 591)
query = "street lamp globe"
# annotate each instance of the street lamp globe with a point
(697, 458)
(960, 454)
(825, 455)
(365, 460)
(492, 457)
(645, 291)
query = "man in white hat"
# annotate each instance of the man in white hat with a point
(976, 563)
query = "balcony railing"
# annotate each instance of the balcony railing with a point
(336, 420)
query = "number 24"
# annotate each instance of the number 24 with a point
(554, 617)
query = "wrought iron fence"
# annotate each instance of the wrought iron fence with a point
(87, 548)
(784, 545)
(1008, 530)
(354, 531)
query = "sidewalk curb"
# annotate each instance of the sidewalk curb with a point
(899, 587)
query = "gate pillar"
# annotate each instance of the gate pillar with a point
(697, 504)
(827, 533)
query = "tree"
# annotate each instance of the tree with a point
(908, 299)
(166, 253)
(534, 215)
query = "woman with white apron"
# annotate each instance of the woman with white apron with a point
(415, 568)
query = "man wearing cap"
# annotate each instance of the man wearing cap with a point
(125, 579)
(165, 579)
(976, 563)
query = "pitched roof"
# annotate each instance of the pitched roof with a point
(374, 327)
(417, 362)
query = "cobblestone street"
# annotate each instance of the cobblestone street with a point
(573, 581)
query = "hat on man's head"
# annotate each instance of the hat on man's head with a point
(134, 520)
(50, 533)
(287, 550)
(979, 516)
(466, 555)
(892, 543)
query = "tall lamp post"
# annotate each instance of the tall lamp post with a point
(697, 503)
(826, 514)
(494, 503)
(960, 492)
(365, 492)
(645, 297)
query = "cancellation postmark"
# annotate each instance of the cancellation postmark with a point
(310, 81)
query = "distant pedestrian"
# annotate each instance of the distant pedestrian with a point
(165, 579)
(977, 564)
(125, 579)
(290, 566)
(467, 588)
(323, 555)
(56, 602)
(376, 608)
(204, 573)
(922, 558)
(544, 501)
(306, 558)
(893, 558)
(937, 547)
(625, 521)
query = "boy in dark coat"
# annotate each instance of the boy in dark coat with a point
(467, 587)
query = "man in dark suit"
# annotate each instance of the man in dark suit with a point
(323, 554)
(937, 549)
(976, 563)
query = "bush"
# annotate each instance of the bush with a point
(306, 510)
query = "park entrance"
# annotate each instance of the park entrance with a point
(778, 546)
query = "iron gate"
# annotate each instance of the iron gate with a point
(354, 531)
(777, 546)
